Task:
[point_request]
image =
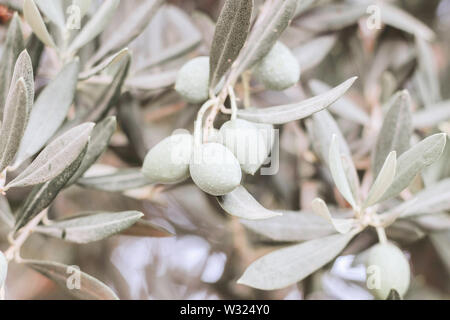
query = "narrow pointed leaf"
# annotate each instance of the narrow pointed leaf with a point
(34, 19)
(122, 180)
(340, 225)
(11, 49)
(290, 265)
(90, 289)
(338, 173)
(428, 73)
(229, 37)
(100, 137)
(291, 112)
(291, 227)
(14, 121)
(41, 196)
(383, 181)
(95, 25)
(53, 10)
(130, 28)
(24, 69)
(266, 33)
(89, 227)
(56, 157)
(111, 60)
(313, 52)
(411, 162)
(49, 111)
(396, 130)
(240, 203)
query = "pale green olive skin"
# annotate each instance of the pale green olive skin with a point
(247, 143)
(168, 161)
(193, 80)
(279, 69)
(3, 269)
(214, 169)
(393, 268)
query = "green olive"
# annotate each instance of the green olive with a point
(193, 80)
(247, 143)
(279, 69)
(168, 161)
(215, 169)
(387, 268)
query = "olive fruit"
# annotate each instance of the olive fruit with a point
(215, 169)
(168, 161)
(3, 269)
(247, 143)
(389, 269)
(279, 69)
(193, 80)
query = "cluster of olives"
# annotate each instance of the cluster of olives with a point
(278, 70)
(392, 270)
(215, 166)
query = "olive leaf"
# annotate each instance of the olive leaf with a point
(14, 121)
(53, 10)
(122, 180)
(383, 180)
(6, 215)
(95, 25)
(229, 37)
(11, 49)
(396, 130)
(100, 137)
(313, 52)
(153, 81)
(291, 226)
(111, 60)
(240, 203)
(24, 69)
(432, 115)
(89, 227)
(129, 29)
(56, 157)
(266, 32)
(343, 107)
(400, 19)
(41, 196)
(90, 289)
(433, 199)
(414, 160)
(34, 19)
(49, 111)
(111, 93)
(291, 112)
(320, 208)
(338, 172)
(289, 265)
(143, 228)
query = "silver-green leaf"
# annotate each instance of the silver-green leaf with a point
(122, 180)
(89, 227)
(56, 157)
(240, 203)
(290, 265)
(291, 112)
(229, 37)
(34, 19)
(90, 289)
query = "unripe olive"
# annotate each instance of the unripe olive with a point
(246, 142)
(168, 161)
(193, 80)
(279, 69)
(215, 169)
(3, 269)
(387, 268)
